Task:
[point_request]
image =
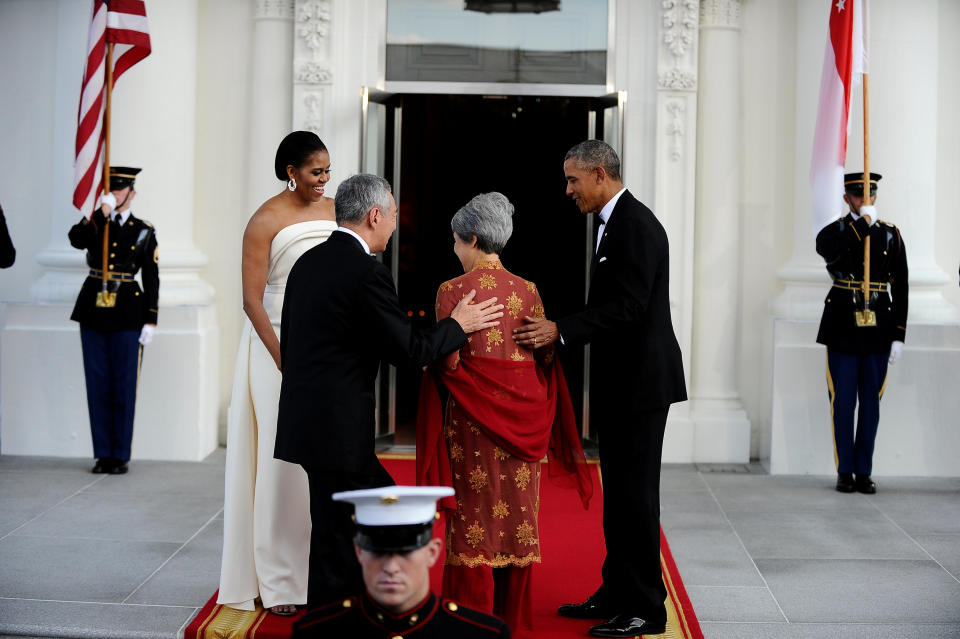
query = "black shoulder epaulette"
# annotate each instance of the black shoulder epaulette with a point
(489, 622)
(147, 222)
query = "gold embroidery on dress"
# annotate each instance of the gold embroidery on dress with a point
(500, 453)
(494, 337)
(478, 478)
(514, 305)
(537, 311)
(522, 477)
(499, 560)
(488, 281)
(446, 286)
(493, 265)
(476, 453)
(503, 477)
(474, 429)
(525, 534)
(456, 451)
(517, 355)
(475, 534)
(450, 431)
(501, 510)
(531, 287)
(460, 285)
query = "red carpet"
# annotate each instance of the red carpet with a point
(571, 542)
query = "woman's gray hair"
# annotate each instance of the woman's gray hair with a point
(489, 217)
(590, 154)
(358, 194)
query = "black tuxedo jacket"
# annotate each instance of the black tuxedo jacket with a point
(635, 360)
(341, 317)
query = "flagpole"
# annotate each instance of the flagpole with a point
(867, 317)
(105, 298)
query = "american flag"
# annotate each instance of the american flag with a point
(123, 22)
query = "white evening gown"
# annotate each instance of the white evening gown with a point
(266, 510)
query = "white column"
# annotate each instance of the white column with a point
(270, 94)
(722, 430)
(674, 165)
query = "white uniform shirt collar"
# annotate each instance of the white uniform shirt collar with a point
(124, 216)
(608, 207)
(366, 247)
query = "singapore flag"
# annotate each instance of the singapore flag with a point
(844, 63)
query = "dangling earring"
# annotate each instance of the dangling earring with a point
(292, 184)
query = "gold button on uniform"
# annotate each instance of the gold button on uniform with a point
(452, 607)
(113, 255)
(132, 247)
(110, 267)
(114, 243)
(136, 293)
(347, 603)
(414, 619)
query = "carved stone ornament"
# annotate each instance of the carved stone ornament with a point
(678, 80)
(313, 23)
(313, 118)
(720, 13)
(675, 128)
(273, 9)
(314, 73)
(679, 25)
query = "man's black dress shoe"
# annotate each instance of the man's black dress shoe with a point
(589, 609)
(103, 465)
(865, 485)
(845, 483)
(627, 626)
(120, 468)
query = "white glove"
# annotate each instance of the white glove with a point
(108, 202)
(146, 333)
(895, 349)
(871, 212)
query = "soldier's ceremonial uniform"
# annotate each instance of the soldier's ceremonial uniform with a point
(363, 618)
(110, 335)
(397, 522)
(857, 352)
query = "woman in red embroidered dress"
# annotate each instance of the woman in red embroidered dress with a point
(508, 406)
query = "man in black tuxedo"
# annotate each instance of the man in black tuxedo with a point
(341, 318)
(636, 372)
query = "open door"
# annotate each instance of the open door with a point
(380, 134)
(605, 117)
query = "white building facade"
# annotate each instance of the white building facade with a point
(712, 104)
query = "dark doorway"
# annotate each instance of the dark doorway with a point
(456, 146)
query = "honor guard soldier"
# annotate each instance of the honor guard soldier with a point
(116, 317)
(863, 326)
(395, 545)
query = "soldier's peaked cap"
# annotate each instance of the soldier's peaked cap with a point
(394, 518)
(122, 177)
(853, 182)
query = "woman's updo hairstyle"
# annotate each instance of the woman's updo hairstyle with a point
(294, 151)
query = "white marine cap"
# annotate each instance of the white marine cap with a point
(395, 505)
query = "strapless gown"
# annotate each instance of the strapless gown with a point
(266, 510)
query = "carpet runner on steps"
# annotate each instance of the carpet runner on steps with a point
(571, 542)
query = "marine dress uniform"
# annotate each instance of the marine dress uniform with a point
(110, 334)
(858, 332)
(397, 520)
